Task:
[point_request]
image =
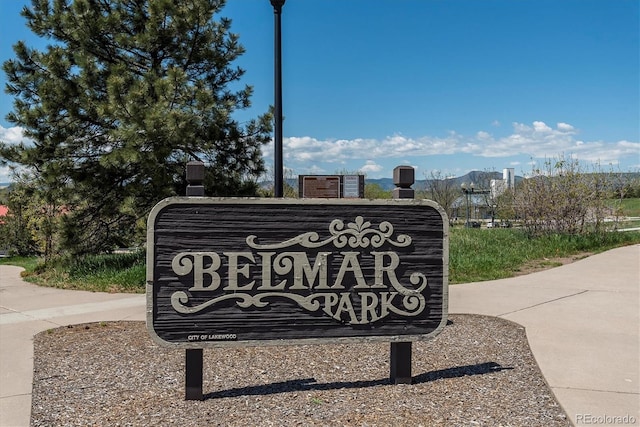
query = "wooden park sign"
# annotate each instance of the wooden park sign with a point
(232, 272)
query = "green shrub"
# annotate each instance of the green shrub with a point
(88, 265)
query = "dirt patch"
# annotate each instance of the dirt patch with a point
(537, 265)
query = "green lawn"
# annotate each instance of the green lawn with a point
(481, 254)
(474, 255)
(630, 207)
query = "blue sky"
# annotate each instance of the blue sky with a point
(446, 85)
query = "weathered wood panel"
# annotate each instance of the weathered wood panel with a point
(292, 271)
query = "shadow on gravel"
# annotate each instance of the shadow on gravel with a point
(309, 384)
(460, 371)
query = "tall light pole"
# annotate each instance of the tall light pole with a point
(277, 138)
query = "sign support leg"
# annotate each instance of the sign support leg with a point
(400, 363)
(193, 374)
(193, 357)
(400, 352)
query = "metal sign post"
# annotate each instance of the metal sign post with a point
(400, 352)
(193, 356)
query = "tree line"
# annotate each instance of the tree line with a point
(560, 196)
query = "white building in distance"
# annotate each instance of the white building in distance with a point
(508, 182)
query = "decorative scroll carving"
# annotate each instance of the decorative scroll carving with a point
(335, 305)
(357, 234)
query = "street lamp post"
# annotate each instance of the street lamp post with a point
(468, 190)
(493, 214)
(277, 138)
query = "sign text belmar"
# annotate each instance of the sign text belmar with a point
(265, 271)
(311, 287)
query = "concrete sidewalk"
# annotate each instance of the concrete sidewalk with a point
(582, 322)
(26, 310)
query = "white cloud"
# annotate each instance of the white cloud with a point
(309, 155)
(541, 141)
(541, 127)
(565, 127)
(607, 153)
(12, 135)
(307, 148)
(527, 141)
(371, 167)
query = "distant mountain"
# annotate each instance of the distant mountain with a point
(479, 178)
(384, 183)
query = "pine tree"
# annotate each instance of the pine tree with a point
(126, 93)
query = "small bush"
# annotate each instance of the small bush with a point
(121, 272)
(561, 198)
(88, 265)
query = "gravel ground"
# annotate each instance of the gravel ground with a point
(478, 372)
